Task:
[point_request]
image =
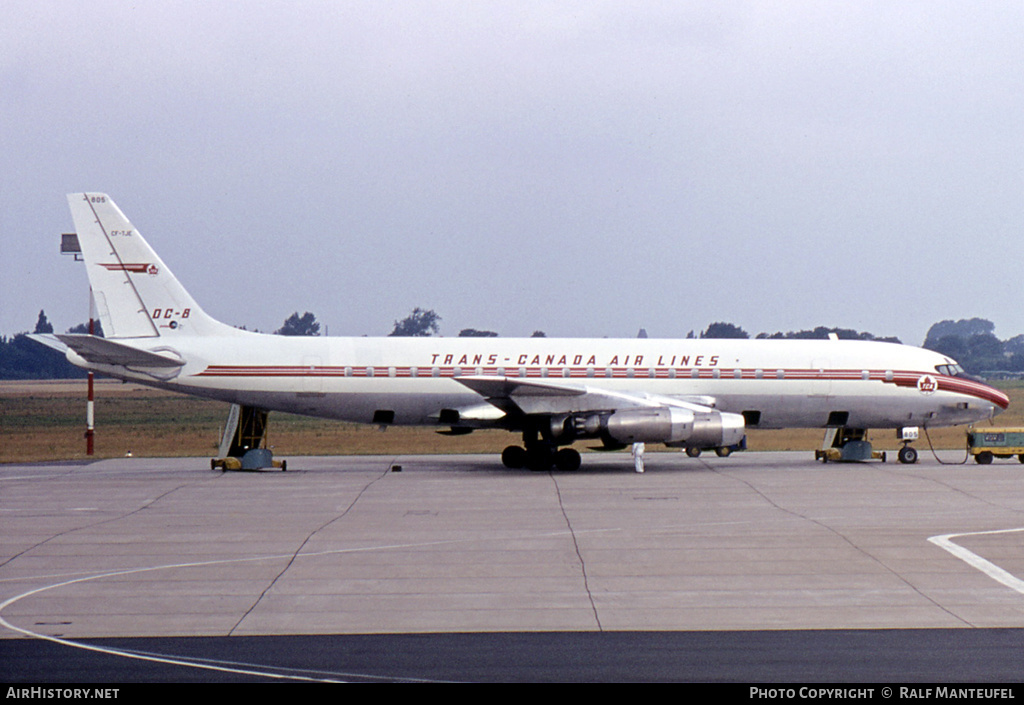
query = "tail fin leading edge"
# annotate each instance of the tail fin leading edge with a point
(136, 295)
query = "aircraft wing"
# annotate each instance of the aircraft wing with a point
(109, 352)
(549, 396)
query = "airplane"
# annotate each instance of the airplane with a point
(693, 394)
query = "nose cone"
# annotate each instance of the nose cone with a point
(998, 398)
(1003, 401)
(991, 398)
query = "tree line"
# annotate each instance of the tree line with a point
(21, 358)
(971, 342)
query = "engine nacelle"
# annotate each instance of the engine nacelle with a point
(717, 430)
(667, 424)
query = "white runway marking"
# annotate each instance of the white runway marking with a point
(155, 658)
(243, 669)
(975, 561)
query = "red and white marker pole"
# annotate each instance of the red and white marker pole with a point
(90, 418)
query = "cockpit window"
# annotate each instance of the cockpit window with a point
(951, 370)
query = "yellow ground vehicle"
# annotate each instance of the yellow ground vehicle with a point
(989, 443)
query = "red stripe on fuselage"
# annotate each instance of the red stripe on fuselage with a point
(902, 378)
(957, 385)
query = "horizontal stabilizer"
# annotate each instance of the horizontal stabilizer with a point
(108, 352)
(49, 340)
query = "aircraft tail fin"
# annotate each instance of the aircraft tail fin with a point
(136, 295)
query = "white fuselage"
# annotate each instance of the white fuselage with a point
(774, 383)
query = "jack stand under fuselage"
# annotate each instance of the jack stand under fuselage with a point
(243, 445)
(847, 445)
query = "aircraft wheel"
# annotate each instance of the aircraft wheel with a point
(907, 455)
(693, 451)
(723, 452)
(983, 458)
(513, 457)
(567, 459)
(540, 458)
(1021, 457)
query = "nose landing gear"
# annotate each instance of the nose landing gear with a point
(907, 454)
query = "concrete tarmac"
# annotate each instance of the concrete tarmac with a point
(454, 544)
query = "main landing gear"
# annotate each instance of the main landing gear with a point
(540, 453)
(541, 457)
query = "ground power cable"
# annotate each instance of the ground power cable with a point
(967, 451)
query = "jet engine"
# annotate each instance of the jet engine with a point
(664, 424)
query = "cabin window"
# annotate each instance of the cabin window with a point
(369, 372)
(694, 373)
(392, 372)
(759, 374)
(737, 374)
(780, 374)
(717, 373)
(435, 372)
(414, 372)
(348, 371)
(865, 375)
(590, 372)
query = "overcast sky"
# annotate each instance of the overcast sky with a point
(583, 168)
